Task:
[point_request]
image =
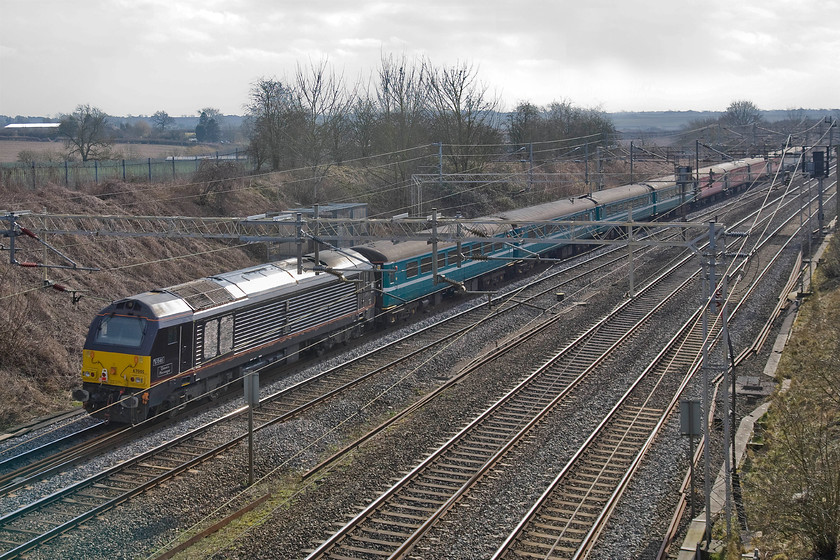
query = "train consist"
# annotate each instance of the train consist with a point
(151, 353)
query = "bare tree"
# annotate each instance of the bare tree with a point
(741, 113)
(212, 113)
(161, 120)
(402, 99)
(363, 122)
(86, 132)
(322, 106)
(268, 112)
(465, 115)
(523, 125)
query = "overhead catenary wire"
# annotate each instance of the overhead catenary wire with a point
(403, 184)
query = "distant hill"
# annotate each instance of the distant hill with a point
(665, 121)
(181, 123)
(625, 121)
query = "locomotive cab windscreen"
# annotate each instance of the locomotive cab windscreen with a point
(115, 330)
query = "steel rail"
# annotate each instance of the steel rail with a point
(98, 479)
(499, 407)
(15, 475)
(115, 501)
(597, 526)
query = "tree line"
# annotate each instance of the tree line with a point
(315, 117)
(742, 127)
(88, 131)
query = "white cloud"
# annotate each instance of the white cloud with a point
(7, 51)
(364, 43)
(645, 54)
(752, 38)
(238, 55)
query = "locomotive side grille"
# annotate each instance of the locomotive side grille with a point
(199, 344)
(274, 320)
(316, 307)
(277, 319)
(202, 294)
(259, 325)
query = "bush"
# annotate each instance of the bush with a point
(34, 156)
(218, 179)
(830, 268)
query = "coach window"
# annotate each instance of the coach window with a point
(411, 269)
(441, 259)
(476, 250)
(425, 265)
(452, 257)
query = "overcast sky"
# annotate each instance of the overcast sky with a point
(140, 56)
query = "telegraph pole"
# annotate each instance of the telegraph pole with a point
(600, 169)
(721, 306)
(711, 285)
(586, 160)
(440, 165)
(530, 165)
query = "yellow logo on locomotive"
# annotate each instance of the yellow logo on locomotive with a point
(119, 370)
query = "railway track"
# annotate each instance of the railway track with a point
(567, 519)
(391, 525)
(571, 512)
(111, 488)
(681, 507)
(31, 525)
(43, 457)
(397, 520)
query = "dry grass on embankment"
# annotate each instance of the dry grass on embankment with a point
(42, 330)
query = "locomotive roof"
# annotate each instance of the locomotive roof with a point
(205, 293)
